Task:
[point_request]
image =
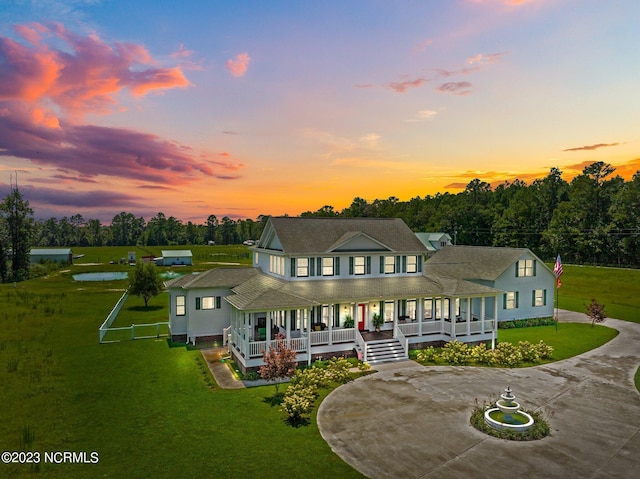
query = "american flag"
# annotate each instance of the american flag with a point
(557, 270)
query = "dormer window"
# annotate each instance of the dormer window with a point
(526, 267)
(389, 264)
(412, 264)
(302, 267)
(327, 266)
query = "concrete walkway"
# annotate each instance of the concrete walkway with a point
(409, 421)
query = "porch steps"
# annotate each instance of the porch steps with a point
(385, 350)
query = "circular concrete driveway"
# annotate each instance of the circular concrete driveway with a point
(409, 421)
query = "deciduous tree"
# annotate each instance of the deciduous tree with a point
(145, 282)
(279, 362)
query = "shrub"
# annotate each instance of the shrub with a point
(544, 350)
(297, 404)
(529, 352)
(427, 355)
(482, 355)
(338, 370)
(507, 354)
(455, 352)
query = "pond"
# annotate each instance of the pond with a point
(104, 276)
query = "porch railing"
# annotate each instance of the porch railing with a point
(343, 335)
(362, 345)
(399, 335)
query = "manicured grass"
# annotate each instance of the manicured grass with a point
(569, 340)
(145, 406)
(636, 379)
(616, 288)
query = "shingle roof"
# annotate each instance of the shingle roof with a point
(319, 235)
(214, 278)
(472, 262)
(265, 292)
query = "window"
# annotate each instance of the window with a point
(440, 314)
(388, 310)
(411, 309)
(526, 267)
(443, 243)
(302, 267)
(539, 297)
(180, 305)
(412, 264)
(327, 266)
(428, 308)
(276, 265)
(359, 264)
(510, 300)
(389, 264)
(256, 258)
(208, 302)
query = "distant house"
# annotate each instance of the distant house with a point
(131, 257)
(175, 258)
(51, 255)
(434, 241)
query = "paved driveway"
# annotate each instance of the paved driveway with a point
(409, 421)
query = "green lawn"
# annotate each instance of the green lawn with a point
(617, 288)
(144, 406)
(569, 340)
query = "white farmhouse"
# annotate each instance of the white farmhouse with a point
(319, 283)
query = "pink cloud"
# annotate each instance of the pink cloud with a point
(238, 67)
(45, 91)
(81, 77)
(455, 87)
(481, 59)
(402, 87)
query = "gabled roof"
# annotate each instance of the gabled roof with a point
(214, 278)
(324, 235)
(473, 262)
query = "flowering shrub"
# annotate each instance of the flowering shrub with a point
(507, 354)
(427, 355)
(481, 355)
(455, 352)
(338, 370)
(297, 404)
(529, 352)
(305, 383)
(544, 350)
(362, 366)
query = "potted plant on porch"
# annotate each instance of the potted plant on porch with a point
(348, 322)
(378, 321)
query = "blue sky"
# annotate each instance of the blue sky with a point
(249, 108)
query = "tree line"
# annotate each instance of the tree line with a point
(593, 219)
(128, 230)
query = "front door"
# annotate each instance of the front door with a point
(361, 309)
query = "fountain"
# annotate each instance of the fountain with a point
(507, 414)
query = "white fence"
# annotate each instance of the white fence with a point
(135, 331)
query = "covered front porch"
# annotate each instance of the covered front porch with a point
(342, 327)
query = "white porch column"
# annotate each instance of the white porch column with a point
(420, 314)
(482, 305)
(495, 312)
(287, 322)
(442, 321)
(469, 308)
(307, 326)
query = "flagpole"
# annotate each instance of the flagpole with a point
(557, 302)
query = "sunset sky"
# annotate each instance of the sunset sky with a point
(246, 108)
